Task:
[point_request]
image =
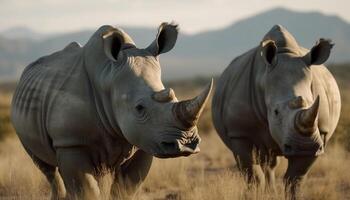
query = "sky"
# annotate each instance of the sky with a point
(49, 16)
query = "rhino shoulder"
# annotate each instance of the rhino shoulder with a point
(70, 50)
(325, 85)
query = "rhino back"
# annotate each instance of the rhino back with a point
(52, 104)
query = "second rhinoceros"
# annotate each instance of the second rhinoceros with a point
(278, 99)
(103, 108)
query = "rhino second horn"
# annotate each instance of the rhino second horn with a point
(188, 112)
(165, 95)
(306, 119)
(297, 102)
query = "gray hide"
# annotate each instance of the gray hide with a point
(102, 108)
(277, 99)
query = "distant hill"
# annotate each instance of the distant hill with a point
(21, 32)
(202, 54)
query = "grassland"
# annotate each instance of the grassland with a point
(209, 175)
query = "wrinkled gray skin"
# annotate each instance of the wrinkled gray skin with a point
(277, 100)
(85, 112)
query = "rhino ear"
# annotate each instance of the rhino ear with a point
(112, 44)
(268, 52)
(319, 53)
(165, 40)
(114, 40)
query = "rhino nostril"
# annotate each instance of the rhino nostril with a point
(192, 145)
(169, 146)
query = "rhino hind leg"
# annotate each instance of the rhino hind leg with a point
(247, 162)
(78, 173)
(58, 191)
(130, 176)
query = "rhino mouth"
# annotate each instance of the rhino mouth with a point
(298, 145)
(178, 147)
(289, 151)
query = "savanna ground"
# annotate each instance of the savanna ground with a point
(212, 174)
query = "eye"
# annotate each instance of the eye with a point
(140, 108)
(276, 112)
(141, 112)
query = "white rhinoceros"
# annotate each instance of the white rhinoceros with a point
(85, 111)
(278, 99)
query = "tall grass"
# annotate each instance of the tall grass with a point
(209, 175)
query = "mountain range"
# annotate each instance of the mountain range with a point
(202, 54)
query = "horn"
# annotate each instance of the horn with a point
(305, 119)
(188, 112)
(165, 95)
(296, 103)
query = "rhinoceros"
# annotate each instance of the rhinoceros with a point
(102, 108)
(277, 99)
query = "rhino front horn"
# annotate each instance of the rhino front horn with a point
(305, 120)
(188, 112)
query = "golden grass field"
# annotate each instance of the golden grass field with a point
(209, 175)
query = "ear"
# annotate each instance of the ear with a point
(114, 40)
(268, 52)
(112, 44)
(319, 54)
(165, 40)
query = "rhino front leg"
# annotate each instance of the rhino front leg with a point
(269, 170)
(131, 175)
(298, 166)
(246, 159)
(58, 191)
(78, 173)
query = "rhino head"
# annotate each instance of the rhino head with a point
(149, 115)
(292, 105)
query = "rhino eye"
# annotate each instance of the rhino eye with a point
(140, 113)
(139, 108)
(276, 112)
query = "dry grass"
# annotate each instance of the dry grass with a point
(19, 177)
(209, 175)
(212, 174)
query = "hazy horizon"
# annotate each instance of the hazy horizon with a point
(196, 54)
(47, 16)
